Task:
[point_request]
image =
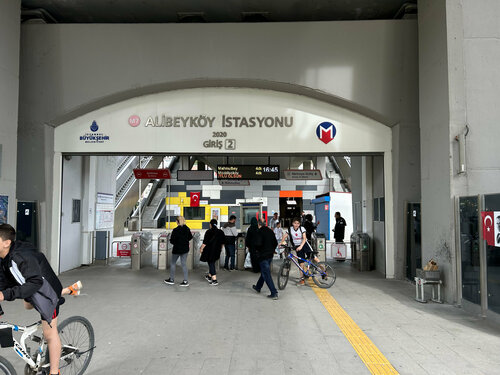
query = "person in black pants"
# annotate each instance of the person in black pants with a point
(180, 238)
(231, 233)
(339, 230)
(309, 226)
(251, 243)
(266, 244)
(210, 250)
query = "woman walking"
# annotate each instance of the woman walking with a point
(210, 250)
(251, 242)
(179, 238)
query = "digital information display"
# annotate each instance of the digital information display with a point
(248, 172)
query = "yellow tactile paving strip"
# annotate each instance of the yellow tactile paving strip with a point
(367, 351)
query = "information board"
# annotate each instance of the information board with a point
(104, 211)
(248, 172)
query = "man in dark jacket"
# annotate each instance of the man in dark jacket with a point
(26, 274)
(266, 245)
(251, 243)
(339, 230)
(309, 226)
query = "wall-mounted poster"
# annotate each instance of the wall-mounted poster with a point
(215, 214)
(4, 205)
(497, 228)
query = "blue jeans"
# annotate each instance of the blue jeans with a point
(265, 275)
(230, 253)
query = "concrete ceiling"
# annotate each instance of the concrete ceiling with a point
(171, 11)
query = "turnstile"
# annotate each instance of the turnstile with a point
(320, 246)
(163, 242)
(240, 251)
(141, 254)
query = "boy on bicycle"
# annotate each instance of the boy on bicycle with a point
(298, 239)
(26, 274)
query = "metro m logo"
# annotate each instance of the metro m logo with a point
(326, 131)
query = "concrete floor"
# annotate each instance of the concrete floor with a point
(145, 326)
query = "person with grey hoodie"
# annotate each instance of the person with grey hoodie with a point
(230, 232)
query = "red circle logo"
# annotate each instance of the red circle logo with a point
(134, 120)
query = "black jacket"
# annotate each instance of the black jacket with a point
(266, 243)
(25, 273)
(339, 230)
(213, 240)
(310, 228)
(22, 272)
(251, 238)
(180, 238)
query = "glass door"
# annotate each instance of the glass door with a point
(413, 240)
(492, 204)
(469, 246)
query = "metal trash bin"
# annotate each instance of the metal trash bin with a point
(354, 248)
(363, 244)
(240, 251)
(320, 246)
(163, 241)
(142, 254)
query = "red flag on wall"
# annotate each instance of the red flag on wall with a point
(488, 227)
(195, 199)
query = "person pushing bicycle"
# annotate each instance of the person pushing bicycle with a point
(298, 239)
(26, 274)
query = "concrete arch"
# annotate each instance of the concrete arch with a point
(221, 83)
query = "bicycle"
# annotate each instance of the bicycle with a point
(322, 273)
(77, 342)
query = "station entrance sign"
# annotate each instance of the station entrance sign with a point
(152, 174)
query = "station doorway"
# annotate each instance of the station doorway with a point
(123, 204)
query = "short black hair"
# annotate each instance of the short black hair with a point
(309, 217)
(232, 217)
(213, 223)
(295, 219)
(7, 232)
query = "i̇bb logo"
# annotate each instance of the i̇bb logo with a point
(134, 121)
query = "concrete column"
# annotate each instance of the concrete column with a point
(55, 225)
(10, 28)
(88, 207)
(444, 105)
(367, 194)
(437, 208)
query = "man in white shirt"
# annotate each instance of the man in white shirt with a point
(298, 239)
(273, 221)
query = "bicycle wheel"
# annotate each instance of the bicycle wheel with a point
(283, 274)
(323, 275)
(75, 332)
(6, 367)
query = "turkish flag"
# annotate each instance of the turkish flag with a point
(488, 227)
(195, 199)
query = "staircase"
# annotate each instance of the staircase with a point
(127, 188)
(149, 217)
